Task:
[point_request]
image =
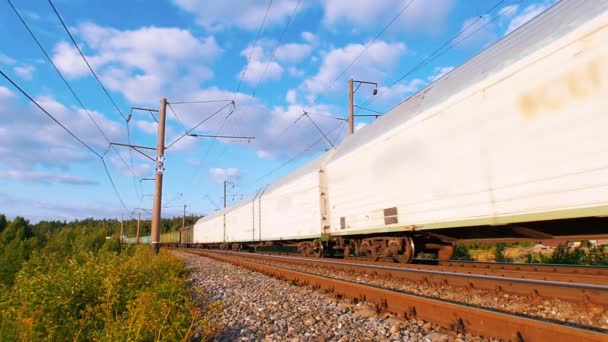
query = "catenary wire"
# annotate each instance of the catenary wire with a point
(85, 60)
(445, 47)
(274, 51)
(84, 144)
(257, 38)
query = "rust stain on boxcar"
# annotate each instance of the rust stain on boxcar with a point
(558, 92)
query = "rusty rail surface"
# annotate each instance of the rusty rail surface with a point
(573, 270)
(597, 275)
(455, 317)
(533, 288)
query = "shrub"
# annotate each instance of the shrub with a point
(105, 297)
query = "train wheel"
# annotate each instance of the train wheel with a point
(347, 252)
(409, 251)
(317, 250)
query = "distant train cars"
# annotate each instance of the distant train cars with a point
(509, 146)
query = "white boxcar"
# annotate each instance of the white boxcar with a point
(293, 207)
(209, 229)
(518, 133)
(239, 222)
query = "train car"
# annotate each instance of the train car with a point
(186, 237)
(209, 229)
(172, 238)
(508, 146)
(240, 223)
(294, 208)
(499, 146)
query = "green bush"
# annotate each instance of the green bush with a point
(563, 254)
(68, 281)
(105, 297)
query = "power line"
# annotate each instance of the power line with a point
(86, 146)
(367, 46)
(197, 101)
(297, 156)
(177, 117)
(202, 122)
(445, 47)
(57, 70)
(86, 61)
(49, 114)
(252, 48)
(274, 51)
(50, 60)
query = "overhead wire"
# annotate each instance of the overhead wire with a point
(72, 90)
(72, 134)
(257, 38)
(85, 60)
(367, 46)
(274, 51)
(443, 48)
(356, 58)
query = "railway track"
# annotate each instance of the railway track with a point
(558, 273)
(451, 315)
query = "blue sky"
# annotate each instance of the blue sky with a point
(188, 50)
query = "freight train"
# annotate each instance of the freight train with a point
(511, 145)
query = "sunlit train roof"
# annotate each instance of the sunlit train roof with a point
(561, 18)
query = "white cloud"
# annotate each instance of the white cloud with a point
(147, 126)
(246, 14)
(295, 72)
(310, 38)
(526, 15)
(421, 16)
(4, 59)
(263, 154)
(290, 97)
(374, 64)
(46, 144)
(508, 11)
(44, 177)
(293, 52)
(438, 72)
(143, 64)
(5, 93)
(24, 71)
(220, 175)
(260, 67)
(477, 31)
(68, 61)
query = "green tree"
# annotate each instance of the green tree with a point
(2, 222)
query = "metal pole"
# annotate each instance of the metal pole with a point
(160, 168)
(137, 234)
(351, 108)
(184, 218)
(122, 225)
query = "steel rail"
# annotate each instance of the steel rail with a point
(545, 268)
(455, 317)
(597, 275)
(533, 288)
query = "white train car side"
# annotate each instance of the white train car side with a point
(209, 229)
(510, 145)
(513, 135)
(293, 208)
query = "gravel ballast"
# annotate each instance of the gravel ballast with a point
(260, 308)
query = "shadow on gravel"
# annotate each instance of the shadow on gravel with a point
(230, 334)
